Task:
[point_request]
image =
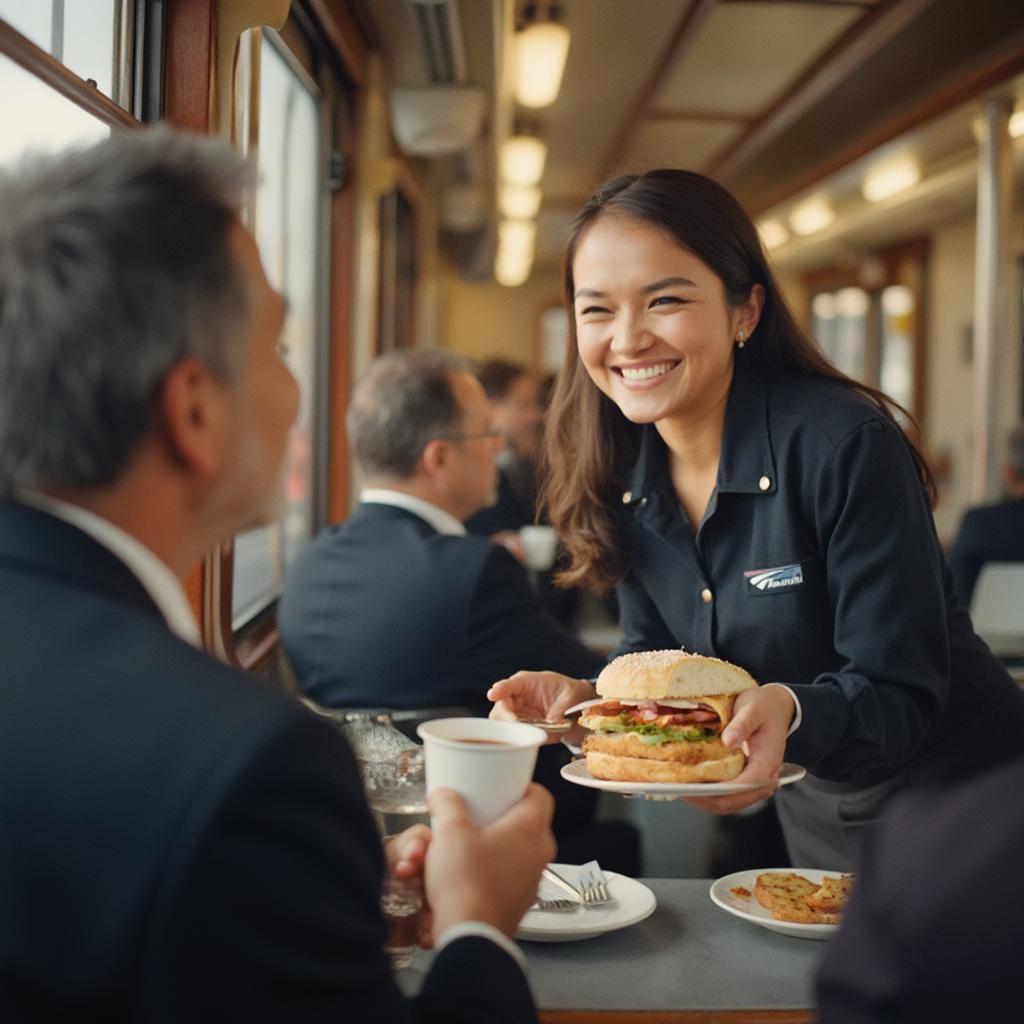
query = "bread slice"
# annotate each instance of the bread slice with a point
(643, 769)
(671, 675)
(785, 895)
(831, 896)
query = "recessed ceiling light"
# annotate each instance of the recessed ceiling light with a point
(812, 215)
(891, 177)
(773, 233)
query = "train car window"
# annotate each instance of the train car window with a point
(554, 337)
(287, 227)
(41, 118)
(81, 34)
(896, 309)
(67, 64)
(840, 323)
(869, 319)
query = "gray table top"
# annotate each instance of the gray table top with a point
(688, 955)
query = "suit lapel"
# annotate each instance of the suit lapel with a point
(34, 541)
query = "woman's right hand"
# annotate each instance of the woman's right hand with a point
(540, 696)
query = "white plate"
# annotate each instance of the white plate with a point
(750, 910)
(631, 902)
(576, 771)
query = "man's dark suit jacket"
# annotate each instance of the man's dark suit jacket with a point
(989, 533)
(382, 610)
(935, 924)
(177, 841)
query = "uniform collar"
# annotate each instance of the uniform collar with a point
(746, 464)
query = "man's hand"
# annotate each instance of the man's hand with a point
(541, 696)
(487, 874)
(404, 857)
(406, 852)
(759, 724)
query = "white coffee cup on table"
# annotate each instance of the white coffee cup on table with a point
(488, 762)
(540, 545)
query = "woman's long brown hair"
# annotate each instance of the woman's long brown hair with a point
(589, 446)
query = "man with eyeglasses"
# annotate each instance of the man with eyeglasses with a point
(398, 608)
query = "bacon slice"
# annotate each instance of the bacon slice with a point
(650, 712)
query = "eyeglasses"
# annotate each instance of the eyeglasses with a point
(491, 434)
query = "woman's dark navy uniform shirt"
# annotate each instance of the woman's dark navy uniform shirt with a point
(817, 565)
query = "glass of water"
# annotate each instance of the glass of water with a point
(401, 901)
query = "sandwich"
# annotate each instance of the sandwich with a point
(659, 718)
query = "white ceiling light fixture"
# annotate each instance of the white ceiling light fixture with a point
(520, 202)
(1017, 124)
(512, 269)
(773, 233)
(541, 50)
(514, 260)
(891, 177)
(517, 236)
(812, 215)
(522, 160)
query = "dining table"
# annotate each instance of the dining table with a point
(689, 961)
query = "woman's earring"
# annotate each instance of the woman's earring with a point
(741, 339)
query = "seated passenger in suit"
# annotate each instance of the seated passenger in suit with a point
(398, 607)
(935, 922)
(992, 533)
(181, 842)
(514, 394)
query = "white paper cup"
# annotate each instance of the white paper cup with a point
(540, 545)
(490, 774)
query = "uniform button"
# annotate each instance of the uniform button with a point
(764, 483)
(705, 596)
(627, 497)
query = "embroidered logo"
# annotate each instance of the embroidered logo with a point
(780, 578)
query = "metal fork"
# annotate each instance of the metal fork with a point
(542, 904)
(592, 884)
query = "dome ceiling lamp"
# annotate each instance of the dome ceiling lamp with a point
(542, 46)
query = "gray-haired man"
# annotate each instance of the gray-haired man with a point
(179, 842)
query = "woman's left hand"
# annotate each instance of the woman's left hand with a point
(761, 719)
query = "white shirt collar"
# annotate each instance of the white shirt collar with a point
(443, 522)
(155, 576)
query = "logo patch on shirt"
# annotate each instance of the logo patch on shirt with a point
(782, 577)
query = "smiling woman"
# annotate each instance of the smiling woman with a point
(700, 448)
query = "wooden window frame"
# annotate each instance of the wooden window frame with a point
(342, 31)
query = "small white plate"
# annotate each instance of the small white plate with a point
(750, 910)
(631, 902)
(576, 771)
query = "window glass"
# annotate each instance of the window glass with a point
(41, 118)
(79, 33)
(840, 321)
(554, 337)
(287, 217)
(897, 339)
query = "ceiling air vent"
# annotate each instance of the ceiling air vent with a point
(440, 36)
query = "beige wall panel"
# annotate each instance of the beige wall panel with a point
(483, 319)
